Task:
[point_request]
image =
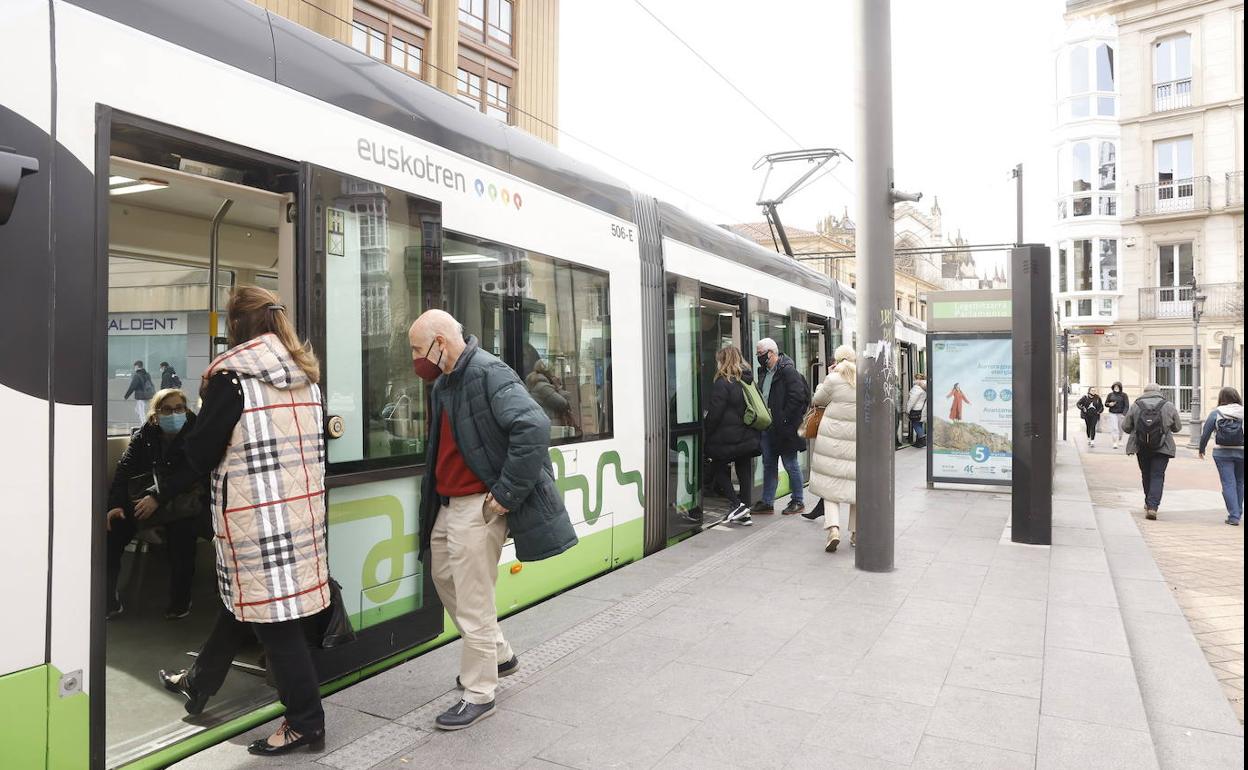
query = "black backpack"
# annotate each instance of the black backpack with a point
(175, 380)
(1150, 432)
(1229, 431)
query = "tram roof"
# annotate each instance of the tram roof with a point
(269, 46)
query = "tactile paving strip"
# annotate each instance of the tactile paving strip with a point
(416, 725)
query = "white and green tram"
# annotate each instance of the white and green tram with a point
(184, 147)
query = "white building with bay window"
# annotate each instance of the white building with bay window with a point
(1150, 153)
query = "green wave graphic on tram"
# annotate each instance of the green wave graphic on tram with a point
(579, 483)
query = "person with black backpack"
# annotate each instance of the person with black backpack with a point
(1149, 424)
(169, 377)
(1226, 425)
(1117, 405)
(730, 442)
(1090, 408)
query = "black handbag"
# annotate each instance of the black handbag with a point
(333, 624)
(916, 415)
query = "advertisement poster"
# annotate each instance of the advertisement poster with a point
(971, 400)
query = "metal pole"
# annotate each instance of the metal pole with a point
(214, 262)
(1193, 441)
(877, 378)
(1065, 379)
(1018, 205)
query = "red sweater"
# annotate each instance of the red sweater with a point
(452, 474)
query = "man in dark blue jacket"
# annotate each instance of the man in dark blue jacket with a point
(787, 397)
(489, 474)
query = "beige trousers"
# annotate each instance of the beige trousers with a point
(832, 515)
(464, 551)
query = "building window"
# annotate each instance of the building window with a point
(1104, 80)
(1085, 308)
(1079, 81)
(1172, 73)
(1081, 178)
(398, 40)
(1082, 271)
(488, 22)
(497, 100)
(1061, 271)
(472, 13)
(1172, 370)
(499, 21)
(1175, 189)
(469, 87)
(1175, 271)
(1109, 264)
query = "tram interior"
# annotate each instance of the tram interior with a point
(163, 198)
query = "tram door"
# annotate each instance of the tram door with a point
(905, 380)
(810, 357)
(700, 321)
(175, 207)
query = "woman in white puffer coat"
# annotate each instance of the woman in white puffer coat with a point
(833, 456)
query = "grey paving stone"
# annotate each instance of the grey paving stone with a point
(810, 757)
(1087, 588)
(342, 726)
(961, 549)
(527, 629)
(688, 690)
(1091, 687)
(687, 623)
(1074, 557)
(1003, 624)
(996, 672)
(875, 728)
(847, 628)
(403, 688)
(864, 590)
(951, 582)
(740, 646)
(1066, 744)
(1016, 581)
(1183, 747)
(987, 718)
(1133, 564)
(1176, 682)
(372, 748)
(505, 740)
(1089, 537)
(945, 754)
(627, 738)
(1090, 629)
(743, 734)
(919, 611)
(807, 685)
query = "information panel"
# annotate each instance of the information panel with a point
(970, 402)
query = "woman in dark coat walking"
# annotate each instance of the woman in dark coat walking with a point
(1090, 408)
(729, 441)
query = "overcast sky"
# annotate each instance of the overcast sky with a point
(973, 85)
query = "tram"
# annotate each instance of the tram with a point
(185, 148)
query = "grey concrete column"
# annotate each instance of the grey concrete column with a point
(877, 377)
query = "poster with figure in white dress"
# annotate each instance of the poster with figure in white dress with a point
(971, 397)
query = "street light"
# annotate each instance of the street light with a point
(1198, 309)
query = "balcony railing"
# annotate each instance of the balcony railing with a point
(1222, 300)
(1174, 95)
(1234, 189)
(1174, 197)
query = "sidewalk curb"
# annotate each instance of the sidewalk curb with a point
(1189, 718)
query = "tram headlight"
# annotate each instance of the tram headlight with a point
(13, 168)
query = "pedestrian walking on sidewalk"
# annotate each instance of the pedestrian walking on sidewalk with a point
(1226, 425)
(730, 443)
(489, 474)
(260, 435)
(787, 395)
(916, 406)
(1090, 408)
(1149, 424)
(1116, 405)
(834, 456)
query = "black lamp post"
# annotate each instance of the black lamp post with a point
(1198, 309)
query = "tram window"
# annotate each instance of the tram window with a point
(383, 251)
(565, 328)
(475, 282)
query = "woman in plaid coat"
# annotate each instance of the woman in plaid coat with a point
(260, 435)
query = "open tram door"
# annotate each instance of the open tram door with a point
(700, 320)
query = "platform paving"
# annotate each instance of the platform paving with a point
(752, 648)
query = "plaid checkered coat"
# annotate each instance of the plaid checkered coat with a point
(268, 492)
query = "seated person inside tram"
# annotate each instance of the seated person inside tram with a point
(137, 508)
(548, 391)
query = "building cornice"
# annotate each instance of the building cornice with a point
(1187, 112)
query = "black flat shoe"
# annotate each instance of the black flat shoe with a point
(195, 700)
(262, 748)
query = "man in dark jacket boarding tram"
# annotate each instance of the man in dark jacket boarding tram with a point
(489, 476)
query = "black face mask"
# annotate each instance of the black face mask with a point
(763, 359)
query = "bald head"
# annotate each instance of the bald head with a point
(436, 335)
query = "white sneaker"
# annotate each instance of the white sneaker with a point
(736, 513)
(1115, 445)
(1091, 443)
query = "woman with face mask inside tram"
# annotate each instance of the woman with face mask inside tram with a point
(136, 502)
